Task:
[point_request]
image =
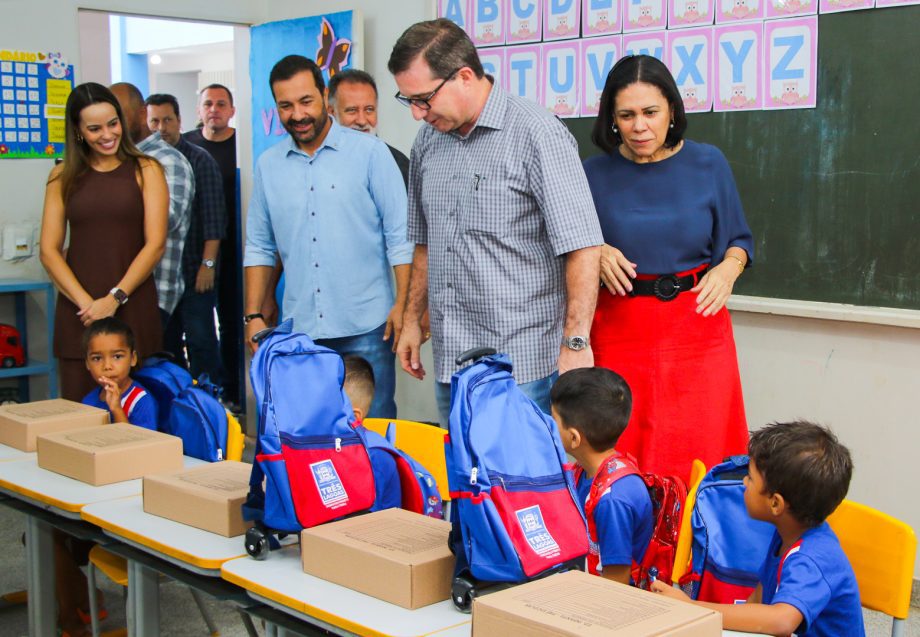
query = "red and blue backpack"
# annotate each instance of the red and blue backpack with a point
(418, 487)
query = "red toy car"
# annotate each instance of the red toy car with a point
(11, 352)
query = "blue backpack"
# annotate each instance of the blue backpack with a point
(164, 380)
(198, 418)
(310, 449)
(419, 490)
(729, 547)
(515, 515)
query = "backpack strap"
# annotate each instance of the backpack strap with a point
(129, 400)
(614, 467)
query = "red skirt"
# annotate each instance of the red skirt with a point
(682, 369)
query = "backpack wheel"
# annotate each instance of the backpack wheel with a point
(462, 592)
(257, 543)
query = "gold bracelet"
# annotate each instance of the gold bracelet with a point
(740, 263)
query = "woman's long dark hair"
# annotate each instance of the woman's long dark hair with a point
(629, 70)
(76, 151)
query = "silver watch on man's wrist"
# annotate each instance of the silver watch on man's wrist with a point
(575, 343)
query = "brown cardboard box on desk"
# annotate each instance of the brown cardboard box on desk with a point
(393, 555)
(113, 453)
(20, 424)
(580, 605)
(208, 497)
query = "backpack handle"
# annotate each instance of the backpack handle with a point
(475, 354)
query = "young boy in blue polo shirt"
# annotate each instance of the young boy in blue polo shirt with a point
(591, 407)
(110, 356)
(359, 386)
(798, 474)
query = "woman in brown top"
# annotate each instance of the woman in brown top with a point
(115, 202)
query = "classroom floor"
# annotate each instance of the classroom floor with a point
(183, 619)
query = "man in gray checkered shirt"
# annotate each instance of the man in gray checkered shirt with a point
(507, 237)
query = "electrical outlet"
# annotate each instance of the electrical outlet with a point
(18, 241)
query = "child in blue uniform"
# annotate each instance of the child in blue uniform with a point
(798, 475)
(110, 356)
(591, 408)
(359, 385)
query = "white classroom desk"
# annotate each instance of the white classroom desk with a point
(192, 549)
(12, 453)
(280, 582)
(63, 496)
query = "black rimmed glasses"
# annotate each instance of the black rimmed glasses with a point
(424, 103)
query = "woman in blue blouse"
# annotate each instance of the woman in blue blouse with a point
(676, 242)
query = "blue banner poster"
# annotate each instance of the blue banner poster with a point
(328, 39)
(33, 93)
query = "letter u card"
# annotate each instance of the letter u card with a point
(690, 53)
(738, 53)
(644, 15)
(561, 73)
(598, 57)
(524, 21)
(600, 17)
(561, 19)
(457, 11)
(486, 22)
(791, 63)
(522, 71)
(691, 13)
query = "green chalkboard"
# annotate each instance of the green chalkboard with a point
(832, 194)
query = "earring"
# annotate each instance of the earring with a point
(614, 129)
(79, 139)
(672, 124)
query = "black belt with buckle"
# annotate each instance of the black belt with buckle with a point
(666, 287)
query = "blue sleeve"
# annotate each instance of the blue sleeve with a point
(144, 413)
(803, 585)
(260, 238)
(389, 194)
(615, 520)
(730, 228)
(387, 490)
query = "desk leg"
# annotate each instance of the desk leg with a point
(40, 576)
(143, 601)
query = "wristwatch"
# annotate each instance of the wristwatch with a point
(208, 263)
(251, 317)
(575, 343)
(119, 295)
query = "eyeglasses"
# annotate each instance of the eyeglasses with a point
(424, 103)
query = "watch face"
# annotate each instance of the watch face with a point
(576, 343)
(208, 263)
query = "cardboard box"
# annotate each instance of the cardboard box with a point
(209, 497)
(20, 424)
(113, 453)
(582, 605)
(393, 555)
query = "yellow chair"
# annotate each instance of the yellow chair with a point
(881, 550)
(685, 537)
(116, 568)
(423, 442)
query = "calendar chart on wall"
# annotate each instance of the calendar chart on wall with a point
(33, 94)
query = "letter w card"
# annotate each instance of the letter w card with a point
(486, 22)
(690, 52)
(330, 487)
(561, 73)
(598, 55)
(536, 533)
(791, 63)
(738, 68)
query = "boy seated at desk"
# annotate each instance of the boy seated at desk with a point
(798, 474)
(110, 356)
(359, 386)
(591, 407)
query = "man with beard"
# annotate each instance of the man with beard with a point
(353, 103)
(330, 202)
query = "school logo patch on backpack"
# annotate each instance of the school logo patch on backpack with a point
(539, 538)
(331, 490)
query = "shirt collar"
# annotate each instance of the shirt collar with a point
(333, 140)
(493, 113)
(149, 141)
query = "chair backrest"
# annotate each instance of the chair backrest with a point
(425, 443)
(881, 550)
(235, 439)
(685, 539)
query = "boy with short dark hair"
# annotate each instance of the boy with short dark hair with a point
(359, 386)
(798, 474)
(591, 407)
(110, 356)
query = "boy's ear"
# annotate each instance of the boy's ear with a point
(359, 413)
(134, 358)
(574, 436)
(777, 504)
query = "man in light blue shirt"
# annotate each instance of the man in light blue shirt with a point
(331, 202)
